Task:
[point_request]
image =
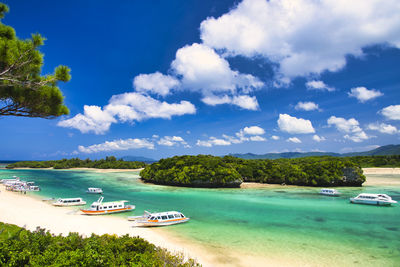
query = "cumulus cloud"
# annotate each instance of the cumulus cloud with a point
(294, 140)
(294, 125)
(391, 112)
(155, 83)
(121, 144)
(128, 107)
(172, 141)
(243, 101)
(307, 106)
(274, 137)
(350, 126)
(319, 86)
(252, 133)
(318, 138)
(289, 32)
(93, 119)
(383, 128)
(363, 94)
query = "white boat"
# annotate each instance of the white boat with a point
(65, 202)
(373, 199)
(159, 219)
(100, 208)
(94, 190)
(329, 192)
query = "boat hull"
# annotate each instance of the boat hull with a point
(69, 205)
(330, 195)
(162, 223)
(371, 202)
(104, 212)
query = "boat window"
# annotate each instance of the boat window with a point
(182, 215)
(115, 206)
(159, 217)
(101, 208)
(110, 207)
(120, 206)
(177, 216)
(164, 217)
(170, 216)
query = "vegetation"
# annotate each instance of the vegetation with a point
(377, 161)
(228, 171)
(23, 91)
(108, 163)
(19, 247)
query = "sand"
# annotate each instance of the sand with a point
(30, 212)
(381, 171)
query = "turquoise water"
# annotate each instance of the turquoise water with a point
(277, 222)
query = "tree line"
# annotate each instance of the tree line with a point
(20, 247)
(228, 171)
(107, 163)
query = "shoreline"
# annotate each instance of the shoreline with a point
(29, 211)
(81, 169)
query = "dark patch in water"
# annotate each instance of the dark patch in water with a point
(383, 247)
(395, 229)
(319, 219)
(280, 191)
(240, 221)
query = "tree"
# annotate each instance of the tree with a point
(23, 91)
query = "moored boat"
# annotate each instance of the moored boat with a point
(65, 202)
(329, 192)
(373, 199)
(159, 219)
(94, 190)
(100, 208)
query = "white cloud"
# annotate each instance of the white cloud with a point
(274, 137)
(115, 145)
(128, 107)
(202, 70)
(155, 83)
(383, 128)
(363, 94)
(304, 36)
(257, 138)
(307, 106)
(253, 130)
(318, 138)
(319, 86)
(391, 112)
(213, 142)
(93, 119)
(172, 141)
(294, 140)
(243, 101)
(350, 126)
(294, 125)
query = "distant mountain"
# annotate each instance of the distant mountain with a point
(380, 151)
(138, 158)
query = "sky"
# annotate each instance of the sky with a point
(164, 78)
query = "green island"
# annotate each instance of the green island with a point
(20, 247)
(228, 171)
(107, 163)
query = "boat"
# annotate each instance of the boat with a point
(159, 219)
(63, 202)
(373, 199)
(100, 208)
(329, 192)
(94, 190)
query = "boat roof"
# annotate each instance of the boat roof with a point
(110, 202)
(69, 198)
(164, 213)
(372, 195)
(94, 188)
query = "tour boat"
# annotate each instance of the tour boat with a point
(373, 199)
(94, 190)
(329, 192)
(159, 218)
(61, 202)
(99, 207)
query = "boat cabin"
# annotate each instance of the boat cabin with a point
(69, 202)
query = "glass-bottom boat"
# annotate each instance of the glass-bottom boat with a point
(100, 208)
(373, 199)
(159, 219)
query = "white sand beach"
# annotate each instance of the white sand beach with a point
(381, 171)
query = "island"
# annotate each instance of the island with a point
(228, 171)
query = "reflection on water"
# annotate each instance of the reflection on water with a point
(293, 222)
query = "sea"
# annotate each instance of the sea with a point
(278, 222)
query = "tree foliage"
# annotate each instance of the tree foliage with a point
(206, 170)
(23, 90)
(19, 247)
(107, 163)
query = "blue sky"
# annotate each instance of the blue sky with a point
(164, 78)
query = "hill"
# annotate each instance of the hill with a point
(380, 151)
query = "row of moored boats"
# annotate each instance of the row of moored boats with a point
(364, 198)
(15, 184)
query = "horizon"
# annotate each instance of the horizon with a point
(170, 78)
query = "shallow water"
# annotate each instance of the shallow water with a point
(279, 222)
